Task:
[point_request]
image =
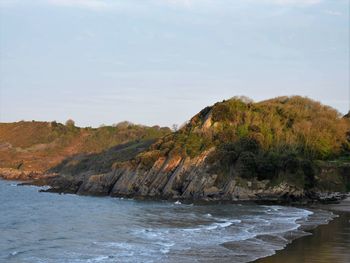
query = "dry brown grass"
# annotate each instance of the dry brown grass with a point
(39, 146)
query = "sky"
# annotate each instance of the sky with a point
(159, 62)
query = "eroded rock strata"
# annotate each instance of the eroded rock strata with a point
(191, 179)
(288, 149)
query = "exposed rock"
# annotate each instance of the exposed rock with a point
(16, 174)
(179, 178)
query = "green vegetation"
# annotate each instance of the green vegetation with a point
(247, 159)
(70, 123)
(307, 126)
(277, 138)
(282, 139)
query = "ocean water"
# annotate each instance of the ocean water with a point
(43, 227)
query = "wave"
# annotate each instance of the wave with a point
(135, 231)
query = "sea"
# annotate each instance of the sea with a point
(40, 227)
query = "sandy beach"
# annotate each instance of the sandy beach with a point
(343, 206)
(328, 243)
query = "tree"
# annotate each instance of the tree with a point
(70, 123)
(175, 127)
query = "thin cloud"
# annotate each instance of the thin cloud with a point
(333, 13)
(4, 3)
(185, 3)
(109, 4)
(293, 2)
(188, 3)
(90, 4)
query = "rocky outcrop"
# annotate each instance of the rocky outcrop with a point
(16, 174)
(177, 178)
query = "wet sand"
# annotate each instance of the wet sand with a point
(343, 206)
(327, 244)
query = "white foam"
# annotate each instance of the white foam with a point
(98, 259)
(213, 226)
(45, 187)
(225, 224)
(164, 250)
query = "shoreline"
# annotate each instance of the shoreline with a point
(342, 206)
(327, 243)
(294, 251)
(314, 200)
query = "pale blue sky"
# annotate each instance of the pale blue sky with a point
(161, 61)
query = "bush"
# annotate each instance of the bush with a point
(149, 158)
(70, 123)
(246, 165)
(249, 144)
(309, 173)
(290, 163)
(268, 165)
(229, 110)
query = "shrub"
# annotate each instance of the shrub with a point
(249, 144)
(291, 163)
(268, 165)
(246, 165)
(149, 158)
(70, 123)
(309, 173)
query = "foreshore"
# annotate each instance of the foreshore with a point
(328, 243)
(343, 206)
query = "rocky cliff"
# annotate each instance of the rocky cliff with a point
(286, 149)
(191, 179)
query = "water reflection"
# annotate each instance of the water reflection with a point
(329, 243)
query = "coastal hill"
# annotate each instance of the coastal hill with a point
(29, 149)
(283, 148)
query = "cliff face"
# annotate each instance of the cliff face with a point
(191, 179)
(172, 177)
